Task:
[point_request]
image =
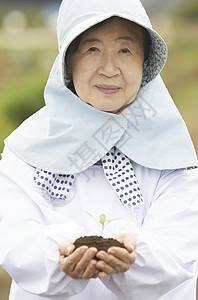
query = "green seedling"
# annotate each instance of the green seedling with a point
(102, 221)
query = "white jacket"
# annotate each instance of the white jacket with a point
(166, 228)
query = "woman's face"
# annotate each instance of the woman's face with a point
(107, 67)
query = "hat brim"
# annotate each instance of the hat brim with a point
(152, 67)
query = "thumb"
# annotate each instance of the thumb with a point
(66, 248)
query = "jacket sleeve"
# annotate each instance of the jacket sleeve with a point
(28, 242)
(167, 242)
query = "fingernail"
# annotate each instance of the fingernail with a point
(100, 255)
(83, 250)
(132, 248)
(92, 253)
(112, 251)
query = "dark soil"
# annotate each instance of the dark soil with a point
(98, 242)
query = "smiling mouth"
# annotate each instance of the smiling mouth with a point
(108, 89)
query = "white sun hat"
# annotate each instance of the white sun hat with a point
(129, 10)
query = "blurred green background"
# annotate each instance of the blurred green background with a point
(28, 47)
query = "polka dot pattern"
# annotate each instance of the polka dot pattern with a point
(120, 174)
(57, 186)
(118, 171)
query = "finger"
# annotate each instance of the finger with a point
(68, 263)
(128, 240)
(90, 271)
(85, 268)
(123, 255)
(95, 275)
(66, 247)
(102, 275)
(130, 245)
(105, 268)
(110, 264)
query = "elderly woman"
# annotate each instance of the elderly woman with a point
(109, 141)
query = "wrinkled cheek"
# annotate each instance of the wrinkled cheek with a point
(83, 92)
(132, 92)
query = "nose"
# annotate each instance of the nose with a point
(108, 66)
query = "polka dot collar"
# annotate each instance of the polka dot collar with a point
(59, 189)
(56, 189)
(120, 174)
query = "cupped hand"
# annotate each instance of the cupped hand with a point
(117, 260)
(79, 263)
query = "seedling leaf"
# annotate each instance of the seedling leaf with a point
(102, 219)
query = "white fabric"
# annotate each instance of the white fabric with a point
(67, 136)
(165, 226)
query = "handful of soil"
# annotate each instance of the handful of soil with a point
(98, 242)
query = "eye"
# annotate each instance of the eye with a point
(125, 50)
(93, 49)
